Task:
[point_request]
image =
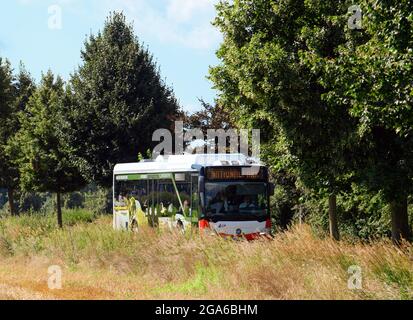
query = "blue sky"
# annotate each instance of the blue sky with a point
(177, 32)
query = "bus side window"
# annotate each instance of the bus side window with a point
(166, 200)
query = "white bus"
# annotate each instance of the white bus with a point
(227, 194)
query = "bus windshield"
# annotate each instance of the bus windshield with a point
(241, 199)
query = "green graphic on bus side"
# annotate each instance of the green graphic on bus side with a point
(136, 177)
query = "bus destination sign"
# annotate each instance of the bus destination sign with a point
(235, 173)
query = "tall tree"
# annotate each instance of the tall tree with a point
(209, 117)
(119, 101)
(374, 80)
(43, 162)
(264, 77)
(7, 98)
(16, 91)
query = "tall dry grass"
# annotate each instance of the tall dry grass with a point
(100, 263)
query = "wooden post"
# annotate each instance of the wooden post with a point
(59, 210)
(12, 207)
(400, 221)
(332, 209)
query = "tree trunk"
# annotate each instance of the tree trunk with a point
(10, 194)
(59, 210)
(400, 221)
(332, 210)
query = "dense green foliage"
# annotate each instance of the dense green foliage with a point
(264, 74)
(6, 111)
(209, 117)
(15, 91)
(335, 103)
(373, 79)
(43, 164)
(91, 198)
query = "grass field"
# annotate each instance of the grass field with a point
(99, 263)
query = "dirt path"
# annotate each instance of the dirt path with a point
(8, 292)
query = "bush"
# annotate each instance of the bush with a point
(98, 200)
(360, 214)
(74, 200)
(3, 198)
(76, 216)
(49, 205)
(30, 201)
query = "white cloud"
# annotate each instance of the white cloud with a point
(181, 22)
(53, 2)
(183, 10)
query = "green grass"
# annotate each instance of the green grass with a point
(398, 276)
(104, 263)
(76, 216)
(197, 285)
(27, 233)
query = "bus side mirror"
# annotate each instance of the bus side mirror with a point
(271, 189)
